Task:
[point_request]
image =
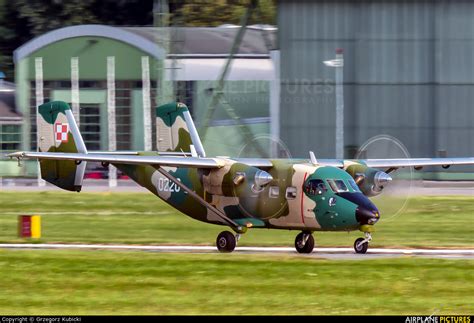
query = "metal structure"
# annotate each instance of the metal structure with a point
(111, 119)
(75, 88)
(161, 16)
(408, 74)
(147, 143)
(39, 101)
(338, 64)
(218, 94)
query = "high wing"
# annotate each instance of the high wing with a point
(401, 162)
(375, 163)
(193, 162)
(418, 162)
(136, 153)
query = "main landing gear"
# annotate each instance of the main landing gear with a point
(361, 244)
(226, 241)
(304, 242)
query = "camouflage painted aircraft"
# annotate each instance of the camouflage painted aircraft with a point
(241, 193)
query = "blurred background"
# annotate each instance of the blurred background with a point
(268, 78)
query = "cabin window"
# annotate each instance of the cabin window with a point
(354, 185)
(274, 192)
(315, 187)
(290, 193)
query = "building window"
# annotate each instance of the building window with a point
(90, 125)
(10, 137)
(123, 118)
(184, 93)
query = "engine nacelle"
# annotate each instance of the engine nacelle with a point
(235, 179)
(371, 181)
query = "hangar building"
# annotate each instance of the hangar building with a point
(408, 73)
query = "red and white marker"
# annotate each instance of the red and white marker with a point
(60, 132)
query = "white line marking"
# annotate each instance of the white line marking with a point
(254, 249)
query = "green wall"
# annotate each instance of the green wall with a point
(92, 53)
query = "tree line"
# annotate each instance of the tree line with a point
(22, 20)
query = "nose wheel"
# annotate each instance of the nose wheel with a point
(361, 245)
(226, 241)
(304, 242)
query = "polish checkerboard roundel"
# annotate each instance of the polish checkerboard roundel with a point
(60, 132)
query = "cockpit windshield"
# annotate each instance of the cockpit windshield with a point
(353, 185)
(332, 185)
(338, 185)
(341, 187)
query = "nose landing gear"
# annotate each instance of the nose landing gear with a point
(361, 245)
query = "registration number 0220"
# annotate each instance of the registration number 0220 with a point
(165, 185)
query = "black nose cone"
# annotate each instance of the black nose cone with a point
(366, 211)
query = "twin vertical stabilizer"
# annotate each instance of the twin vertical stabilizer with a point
(175, 130)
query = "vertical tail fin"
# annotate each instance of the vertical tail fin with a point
(175, 129)
(58, 132)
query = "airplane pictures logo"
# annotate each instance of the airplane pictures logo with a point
(60, 132)
(438, 319)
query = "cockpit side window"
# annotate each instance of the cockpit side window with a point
(353, 185)
(315, 187)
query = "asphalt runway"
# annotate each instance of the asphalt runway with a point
(327, 253)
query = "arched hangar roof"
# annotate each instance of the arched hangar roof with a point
(189, 42)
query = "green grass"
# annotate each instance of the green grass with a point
(137, 218)
(107, 282)
(112, 282)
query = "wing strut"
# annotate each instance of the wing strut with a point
(218, 212)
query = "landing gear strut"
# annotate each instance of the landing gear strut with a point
(361, 244)
(226, 241)
(304, 242)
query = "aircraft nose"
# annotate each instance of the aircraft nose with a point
(365, 215)
(366, 212)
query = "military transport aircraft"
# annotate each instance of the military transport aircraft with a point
(307, 195)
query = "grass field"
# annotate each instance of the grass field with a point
(113, 282)
(137, 218)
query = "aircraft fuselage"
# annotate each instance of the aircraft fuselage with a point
(300, 196)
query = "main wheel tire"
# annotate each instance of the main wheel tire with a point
(360, 248)
(306, 248)
(226, 242)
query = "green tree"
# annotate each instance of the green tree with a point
(211, 13)
(22, 20)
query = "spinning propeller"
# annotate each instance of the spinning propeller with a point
(391, 188)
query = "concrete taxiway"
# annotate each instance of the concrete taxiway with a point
(329, 253)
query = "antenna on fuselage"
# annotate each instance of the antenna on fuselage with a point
(312, 158)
